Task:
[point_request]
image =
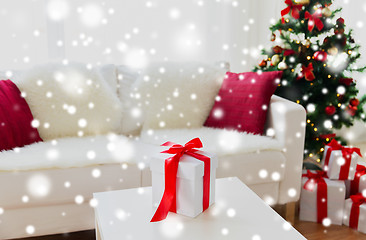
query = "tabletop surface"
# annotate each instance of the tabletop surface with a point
(238, 213)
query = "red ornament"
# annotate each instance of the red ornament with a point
(354, 102)
(330, 110)
(308, 72)
(320, 56)
(277, 49)
(352, 110)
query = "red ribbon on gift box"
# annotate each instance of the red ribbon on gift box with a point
(321, 194)
(347, 155)
(357, 201)
(169, 202)
(355, 183)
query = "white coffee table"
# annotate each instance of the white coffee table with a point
(237, 214)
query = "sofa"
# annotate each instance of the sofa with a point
(46, 188)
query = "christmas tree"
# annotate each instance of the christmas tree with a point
(317, 57)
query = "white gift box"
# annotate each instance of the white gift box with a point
(336, 161)
(362, 183)
(336, 191)
(189, 195)
(361, 219)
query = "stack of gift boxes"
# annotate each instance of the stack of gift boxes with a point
(337, 194)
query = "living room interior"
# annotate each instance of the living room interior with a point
(168, 119)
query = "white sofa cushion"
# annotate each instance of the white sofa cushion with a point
(76, 152)
(70, 100)
(219, 141)
(61, 186)
(178, 95)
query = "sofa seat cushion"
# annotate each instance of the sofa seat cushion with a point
(218, 141)
(253, 168)
(76, 152)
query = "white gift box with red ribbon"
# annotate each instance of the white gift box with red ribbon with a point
(339, 165)
(194, 190)
(358, 184)
(334, 201)
(359, 216)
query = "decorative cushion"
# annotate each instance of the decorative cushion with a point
(243, 101)
(15, 118)
(177, 95)
(71, 100)
(109, 74)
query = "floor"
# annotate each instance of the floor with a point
(311, 231)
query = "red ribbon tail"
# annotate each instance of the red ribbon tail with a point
(322, 205)
(168, 201)
(319, 24)
(355, 184)
(285, 11)
(354, 215)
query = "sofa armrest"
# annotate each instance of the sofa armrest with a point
(287, 119)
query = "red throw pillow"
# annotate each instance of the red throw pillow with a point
(15, 118)
(243, 100)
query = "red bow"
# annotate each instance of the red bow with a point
(314, 20)
(168, 202)
(347, 155)
(294, 8)
(346, 81)
(355, 183)
(308, 72)
(322, 192)
(357, 201)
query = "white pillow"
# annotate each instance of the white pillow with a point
(70, 100)
(178, 95)
(132, 116)
(109, 74)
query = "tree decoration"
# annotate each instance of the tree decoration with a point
(282, 65)
(333, 51)
(330, 110)
(273, 37)
(263, 63)
(326, 12)
(354, 102)
(307, 43)
(277, 49)
(275, 60)
(320, 56)
(302, 2)
(317, 54)
(308, 72)
(293, 8)
(314, 20)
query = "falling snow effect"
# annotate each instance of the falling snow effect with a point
(177, 35)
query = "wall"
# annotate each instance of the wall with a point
(136, 32)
